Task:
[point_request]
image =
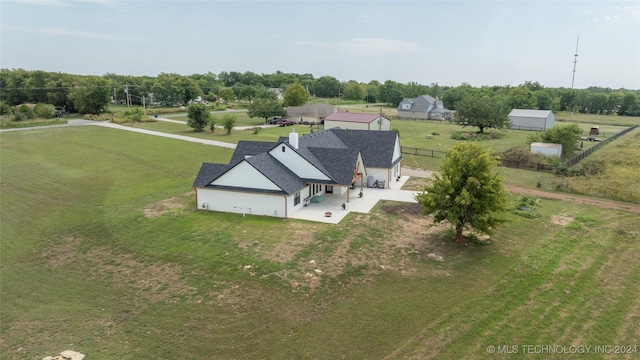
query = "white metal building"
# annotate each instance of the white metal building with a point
(536, 120)
(357, 121)
(546, 149)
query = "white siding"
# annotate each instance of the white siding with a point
(379, 174)
(239, 202)
(328, 124)
(396, 150)
(296, 163)
(246, 176)
(386, 125)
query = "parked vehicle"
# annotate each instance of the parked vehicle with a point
(275, 121)
(286, 123)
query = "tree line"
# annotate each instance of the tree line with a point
(92, 94)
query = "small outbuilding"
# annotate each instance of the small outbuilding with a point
(527, 119)
(546, 149)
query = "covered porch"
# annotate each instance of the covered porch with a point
(333, 202)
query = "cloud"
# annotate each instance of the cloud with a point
(634, 11)
(76, 33)
(615, 19)
(369, 46)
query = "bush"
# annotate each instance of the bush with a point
(594, 167)
(5, 109)
(27, 113)
(256, 130)
(44, 111)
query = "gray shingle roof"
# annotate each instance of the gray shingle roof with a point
(251, 148)
(271, 168)
(376, 147)
(339, 163)
(208, 172)
(312, 110)
(334, 152)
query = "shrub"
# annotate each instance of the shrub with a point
(44, 111)
(594, 167)
(256, 130)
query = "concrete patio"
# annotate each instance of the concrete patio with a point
(364, 204)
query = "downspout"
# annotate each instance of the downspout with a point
(285, 207)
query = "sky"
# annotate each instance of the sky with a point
(444, 42)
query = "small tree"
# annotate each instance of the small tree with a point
(466, 192)
(296, 95)
(198, 116)
(228, 122)
(227, 95)
(567, 135)
(135, 114)
(481, 112)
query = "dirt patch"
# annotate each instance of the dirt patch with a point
(162, 207)
(561, 220)
(61, 253)
(410, 209)
(150, 281)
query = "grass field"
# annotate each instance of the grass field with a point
(102, 252)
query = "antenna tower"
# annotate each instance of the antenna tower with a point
(575, 61)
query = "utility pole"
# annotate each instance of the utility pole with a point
(143, 106)
(575, 61)
(126, 90)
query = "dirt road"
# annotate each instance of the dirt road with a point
(578, 199)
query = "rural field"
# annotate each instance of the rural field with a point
(102, 251)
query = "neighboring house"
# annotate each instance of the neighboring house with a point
(424, 107)
(526, 119)
(280, 178)
(546, 149)
(357, 121)
(314, 113)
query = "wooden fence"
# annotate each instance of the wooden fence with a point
(423, 152)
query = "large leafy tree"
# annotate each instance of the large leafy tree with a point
(266, 108)
(391, 92)
(522, 98)
(327, 87)
(567, 135)
(296, 95)
(91, 95)
(167, 89)
(481, 112)
(198, 116)
(466, 192)
(354, 91)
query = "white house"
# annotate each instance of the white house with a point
(357, 121)
(280, 178)
(546, 149)
(526, 119)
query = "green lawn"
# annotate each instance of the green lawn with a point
(103, 252)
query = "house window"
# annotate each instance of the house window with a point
(282, 148)
(296, 198)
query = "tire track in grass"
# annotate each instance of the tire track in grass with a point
(463, 325)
